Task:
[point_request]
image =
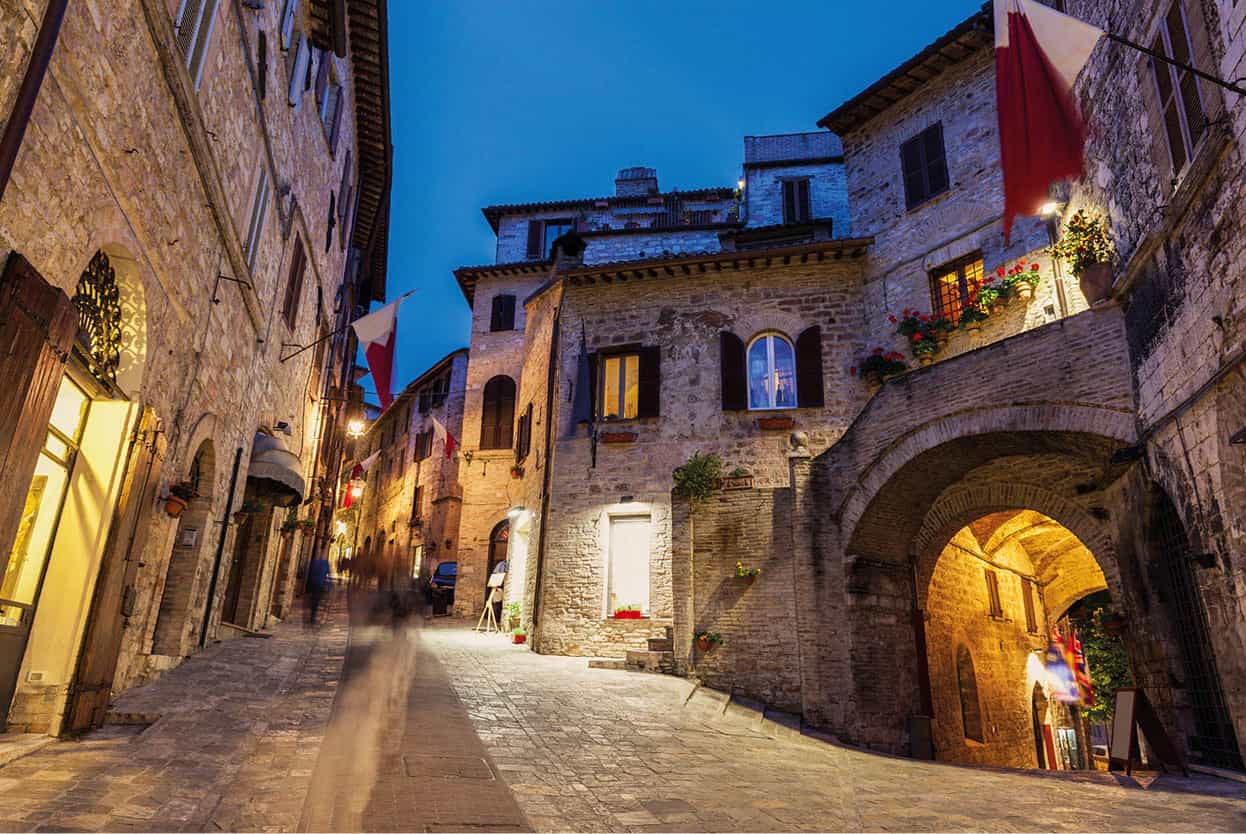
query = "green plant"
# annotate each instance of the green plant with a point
(739, 472)
(1084, 244)
(697, 479)
(1107, 660)
(992, 294)
(972, 315)
(519, 632)
(712, 637)
(923, 345)
(744, 572)
(183, 490)
(1022, 273)
(879, 365)
(512, 610)
(627, 608)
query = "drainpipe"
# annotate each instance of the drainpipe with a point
(220, 549)
(28, 92)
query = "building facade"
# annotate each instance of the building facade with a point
(199, 192)
(1049, 452)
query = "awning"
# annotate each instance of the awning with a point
(276, 471)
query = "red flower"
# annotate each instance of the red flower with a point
(924, 318)
(917, 337)
(893, 319)
(853, 370)
(1000, 272)
(1033, 267)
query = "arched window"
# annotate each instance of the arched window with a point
(497, 417)
(771, 372)
(967, 682)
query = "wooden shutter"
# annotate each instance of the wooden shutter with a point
(261, 60)
(294, 285)
(37, 327)
(1160, 153)
(287, 23)
(336, 129)
(113, 598)
(298, 70)
(523, 443)
(322, 75)
(992, 594)
(789, 201)
(936, 160)
(912, 165)
(809, 392)
(732, 367)
(188, 27)
(594, 361)
(1031, 620)
(497, 419)
(1200, 42)
(803, 208)
(503, 313)
(649, 397)
(328, 235)
(534, 240)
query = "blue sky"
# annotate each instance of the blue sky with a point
(510, 101)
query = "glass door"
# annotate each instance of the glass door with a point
(36, 532)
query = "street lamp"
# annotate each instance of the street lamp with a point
(355, 427)
(356, 490)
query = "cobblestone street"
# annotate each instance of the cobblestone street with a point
(438, 728)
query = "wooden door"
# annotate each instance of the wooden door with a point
(113, 599)
(37, 327)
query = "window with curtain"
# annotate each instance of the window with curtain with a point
(954, 286)
(497, 416)
(620, 387)
(771, 373)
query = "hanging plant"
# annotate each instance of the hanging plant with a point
(708, 640)
(697, 479)
(879, 366)
(1084, 244)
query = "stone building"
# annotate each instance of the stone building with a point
(412, 497)
(918, 536)
(193, 192)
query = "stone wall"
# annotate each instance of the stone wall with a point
(828, 193)
(124, 154)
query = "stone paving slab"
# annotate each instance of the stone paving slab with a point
(239, 726)
(603, 750)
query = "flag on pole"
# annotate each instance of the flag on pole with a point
(440, 433)
(376, 333)
(1060, 678)
(1082, 671)
(354, 483)
(1038, 55)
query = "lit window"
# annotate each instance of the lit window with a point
(620, 387)
(771, 373)
(954, 287)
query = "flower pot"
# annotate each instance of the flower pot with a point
(941, 339)
(704, 644)
(775, 423)
(1024, 291)
(1096, 283)
(627, 615)
(926, 359)
(973, 327)
(174, 506)
(519, 638)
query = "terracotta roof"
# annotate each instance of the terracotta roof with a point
(494, 213)
(966, 39)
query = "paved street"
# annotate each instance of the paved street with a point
(435, 728)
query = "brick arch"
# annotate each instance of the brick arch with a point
(966, 439)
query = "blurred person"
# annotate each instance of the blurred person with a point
(317, 586)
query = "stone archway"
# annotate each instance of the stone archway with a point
(178, 619)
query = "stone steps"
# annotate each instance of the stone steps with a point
(662, 662)
(607, 663)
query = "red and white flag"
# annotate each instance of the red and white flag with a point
(440, 433)
(1038, 55)
(376, 332)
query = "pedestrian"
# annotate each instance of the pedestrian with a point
(317, 586)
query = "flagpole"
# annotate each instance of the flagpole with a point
(1231, 86)
(343, 329)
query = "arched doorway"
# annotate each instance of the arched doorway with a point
(991, 597)
(499, 545)
(177, 622)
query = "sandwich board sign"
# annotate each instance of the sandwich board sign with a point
(1134, 712)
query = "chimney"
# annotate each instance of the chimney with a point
(636, 182)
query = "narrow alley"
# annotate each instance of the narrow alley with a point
(433, 727)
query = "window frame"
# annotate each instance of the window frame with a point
(604, 358)
(1028, 595)
(294, 284)
(259, 211)
(503, 432)
(770, 370)
(497, 305)
(1176, 98)
(953, 309)
(801, 209)
(609, 590)
(195, 51)
(994, 601)
(547, 242)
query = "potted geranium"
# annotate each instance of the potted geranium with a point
(1020, 279)
(180, 495)
(743, 572)
(627, 612)
(924, 348)
(1088, 248)
(516, 471)
(941, 328)
(971, 318)
(879, 366)
(708, 640)
(519, 636)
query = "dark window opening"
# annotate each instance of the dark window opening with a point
(1031, 616)
(503, 313)
(1180, 101)
(294, 285)
(497, 419)
(523, 444)
(796, 206)
(967, 683)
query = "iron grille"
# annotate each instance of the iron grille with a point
(98, 301)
